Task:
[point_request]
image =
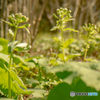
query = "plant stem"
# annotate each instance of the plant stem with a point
(62, 39)
(10, 63)
(9, 76)
(15, 34)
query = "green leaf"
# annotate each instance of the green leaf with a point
(25, 25)
(17, 85)
(67, 43)
(70, 29)
(22, 47)
(55, 16)
(4, 58)
(54, 28)
(30, 64)
(16, 79)
(72, 56)
(32, 81)
(42, 62)
(61, 56)
(18, 59)
(24, 67)
(64, 90)
(3, 46)
(7, 22)
(39, 92)
(27, 30)
(53, 61)
(83, 70)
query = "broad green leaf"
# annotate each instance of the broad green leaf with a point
(22, 47)
(16, 79)
(83, 70)
(54, 28)
(67, 43)
(64, 90)
(17, 83)
(70, 29)
(3, 46)
(4, 57)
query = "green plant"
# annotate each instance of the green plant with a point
(63, 17)
(91, 31)
(77, 77)
(13, 79)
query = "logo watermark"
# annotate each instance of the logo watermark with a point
(72, 94)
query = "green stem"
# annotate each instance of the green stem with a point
(15, 34)
(9, 76)
(62, 39)
(9, 73)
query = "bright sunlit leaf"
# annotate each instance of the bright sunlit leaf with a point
(22, 47)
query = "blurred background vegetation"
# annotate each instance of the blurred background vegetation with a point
(40, 17)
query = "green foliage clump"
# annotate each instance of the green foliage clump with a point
(10, 81)
(91, 30)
